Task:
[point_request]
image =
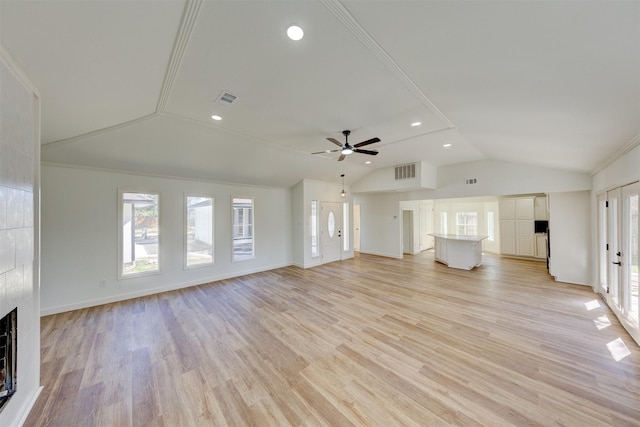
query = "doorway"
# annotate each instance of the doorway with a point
(407, 232)
(619, 245)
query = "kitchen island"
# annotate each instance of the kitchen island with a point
(458, 251)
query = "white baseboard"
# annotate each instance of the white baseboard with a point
(152, 291)
(26, 408)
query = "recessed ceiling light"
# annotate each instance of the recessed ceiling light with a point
(216, 117)
(415, 124)
(446, 145)
(295, 33)
(368, 162)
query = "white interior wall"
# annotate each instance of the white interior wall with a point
(499, 178)
(380, 224)
(570, 236)
(79, 235)
(19, 230)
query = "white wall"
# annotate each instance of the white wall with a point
(79, 235)
(383, 179)
(304, 192)
(380, 224)
(498, 178)
(570, 236)
(19, 230)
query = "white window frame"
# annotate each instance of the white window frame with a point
(234, 258)
(186, 231)
(314, 225)
(120, 237)
(465, 225)
(346, 242)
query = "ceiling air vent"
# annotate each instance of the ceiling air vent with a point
(226, 98)
(406, 171)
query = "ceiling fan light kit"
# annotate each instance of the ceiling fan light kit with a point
(346, 148)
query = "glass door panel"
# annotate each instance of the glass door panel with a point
(630, 249)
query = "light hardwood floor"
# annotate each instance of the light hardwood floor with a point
(367, 342)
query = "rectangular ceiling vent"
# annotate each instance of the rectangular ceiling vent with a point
(226, 98)
(407, 171)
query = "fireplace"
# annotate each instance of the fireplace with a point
(8, 356)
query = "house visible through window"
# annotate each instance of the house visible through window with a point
(466, 223)
(243, 242)
(140, 233)
(199, 231)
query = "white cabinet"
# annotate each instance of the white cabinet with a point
(440, 250)
(507, 208)
(540, 208)
(524, 208)
(541, 246)
(508, 236)
(516, 226)
(463, 252)
(524, 236)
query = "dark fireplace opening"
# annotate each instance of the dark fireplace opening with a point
(8, 356)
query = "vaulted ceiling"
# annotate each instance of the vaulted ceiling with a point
(132, 85)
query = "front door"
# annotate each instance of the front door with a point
(331, 226)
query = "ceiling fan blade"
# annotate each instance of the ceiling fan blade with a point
(371, 152)
(326, 152)
(341, 158)
(335, 141)
(367, 142)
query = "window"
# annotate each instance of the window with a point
(491, 229)
(198, 231)
(466, 223)
(243, 238)
(139, 233)
(444, 229)
(345, 227)
(314, 229)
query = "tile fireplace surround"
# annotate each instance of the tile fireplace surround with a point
(19, 230)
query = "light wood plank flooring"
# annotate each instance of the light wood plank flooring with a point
(366, 342)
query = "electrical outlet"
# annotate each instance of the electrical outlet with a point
(102, 283)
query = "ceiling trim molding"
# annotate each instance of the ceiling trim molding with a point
(157, 175)
(79, 138)
(633, 143)
(349, 21)
(189, 19)
(231, 132)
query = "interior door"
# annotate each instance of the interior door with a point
(331, 226)
(603, 260)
